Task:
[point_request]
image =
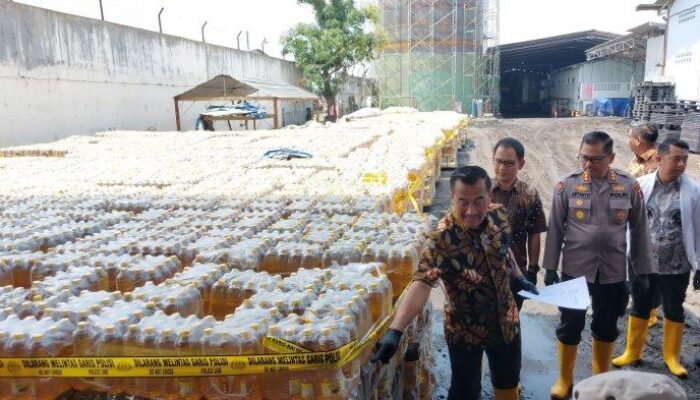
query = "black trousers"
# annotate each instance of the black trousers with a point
(504, 363)
(670, 288)
(609, 301)
(655, 300)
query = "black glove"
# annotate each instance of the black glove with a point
(551, 277)
(640, 285)
(523, 284)
(696, 282)
(531, 273)
(386, 346)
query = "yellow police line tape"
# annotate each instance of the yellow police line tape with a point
(213, 365)
(196, 366)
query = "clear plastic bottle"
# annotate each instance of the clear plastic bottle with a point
(111, 345)
(249, 385)
(82, 347)
(308, 380)
(331, 382)
(217, 303)
(187, 386)
(20, 388)
(275, 383)
(166, 347)
(131, 344)
(125, 280)
(149, 387)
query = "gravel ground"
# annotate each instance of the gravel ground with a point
(551, 146)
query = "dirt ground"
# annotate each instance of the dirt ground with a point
(551, 147)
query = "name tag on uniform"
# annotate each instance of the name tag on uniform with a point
(616, 195)
(581, 195)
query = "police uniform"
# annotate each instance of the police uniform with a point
(588, 229)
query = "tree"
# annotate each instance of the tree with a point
(326, 49)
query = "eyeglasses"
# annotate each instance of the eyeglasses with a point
(593, 160)
(504, 163)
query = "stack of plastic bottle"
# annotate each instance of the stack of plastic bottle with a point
(150, 243)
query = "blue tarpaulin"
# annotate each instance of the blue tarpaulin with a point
(605, 107)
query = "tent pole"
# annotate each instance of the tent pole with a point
(275, 104)
(177, 115)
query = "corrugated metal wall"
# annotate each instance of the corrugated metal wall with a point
(603, 74)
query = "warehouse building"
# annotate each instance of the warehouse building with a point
(675, 55)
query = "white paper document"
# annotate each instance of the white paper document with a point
(570, 294)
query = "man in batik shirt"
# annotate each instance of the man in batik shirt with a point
(473, 260)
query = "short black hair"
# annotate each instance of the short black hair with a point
(470, 175)
(646, 131)
(512, 143)
(597, 137)
(665, 146)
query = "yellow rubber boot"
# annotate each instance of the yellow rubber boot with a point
(653, 318)
(602, 355)
(567, 361)
(507, 394)
(637, 329)
(673, 336)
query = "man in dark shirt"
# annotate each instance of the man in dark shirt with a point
(473, 260)
(523, 205)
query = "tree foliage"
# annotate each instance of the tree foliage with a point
(339, 39)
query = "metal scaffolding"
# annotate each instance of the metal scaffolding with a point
(441, 54)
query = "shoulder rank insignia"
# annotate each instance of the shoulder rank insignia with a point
(613, 175)
(587, 176)
(638, 189)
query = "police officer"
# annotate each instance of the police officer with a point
(592, 208)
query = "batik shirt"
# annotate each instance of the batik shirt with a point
(666, 229)
(644, 164)
(475, 267)
(525, 215)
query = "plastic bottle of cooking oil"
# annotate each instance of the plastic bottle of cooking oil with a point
(82, 348)
(234, 295)
(44, 388)
(275, 383)
(20, 388)
(331, 382)
(217, 302)
(111, 345)
(187, 386)
(308, 379)
(166, 347)
(125, 280)
(248, 385)
(131, 348)
(149, 387)
(171, 306)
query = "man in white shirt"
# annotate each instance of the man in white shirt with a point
(673, 212)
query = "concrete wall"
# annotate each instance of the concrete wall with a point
(62, 75)
(653, 66)
(683, 48)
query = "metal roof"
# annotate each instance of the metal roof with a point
(633, 45)
(226, 87)
(658, 5)
(547, 54)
